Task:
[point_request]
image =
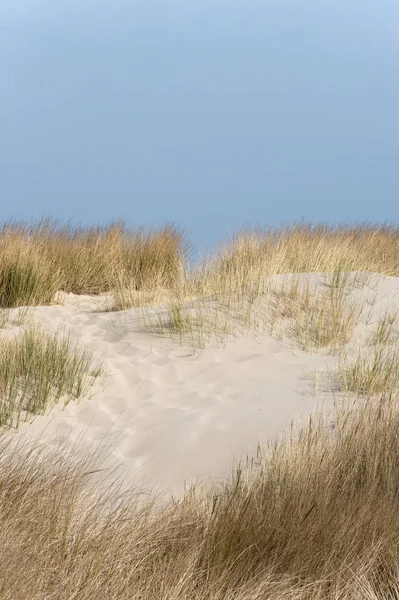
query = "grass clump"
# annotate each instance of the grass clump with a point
(314, 316)
(26, 279)
(125, 294)
(307, 248)
(191, 322)
(372, 371)
(385, 332)
(314, 516)
(85, 260)
(37, 369)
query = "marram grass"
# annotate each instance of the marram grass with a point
(312, 517)
(37, 369)
(38, 260)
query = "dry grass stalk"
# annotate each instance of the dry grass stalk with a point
(385, 332)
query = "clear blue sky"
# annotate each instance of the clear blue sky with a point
(207, 113)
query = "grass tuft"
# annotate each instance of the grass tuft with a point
(315, 317)
(93, 260)
(27, 279)
(385, 332)
(372, 371)
(37, 370)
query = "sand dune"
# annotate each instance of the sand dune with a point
(170, 417)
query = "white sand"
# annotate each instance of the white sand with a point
(171, 417)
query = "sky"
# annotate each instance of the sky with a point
(210, 114)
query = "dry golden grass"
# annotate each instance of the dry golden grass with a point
(315, 516)
(372, 371)
(386, 332)
(37, 261)
(26, 277)
(303, 248)
(233, 290)
(313, 314)
(316, 316)
(370, 368)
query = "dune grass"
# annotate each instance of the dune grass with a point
(386, 332)
(233, 289)
(37, 369)
(315, 315)
(372, 371)
(253, 255)
(314, 516)
(36, 261)
(318, 315)
(26, 279)
(305, 248)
